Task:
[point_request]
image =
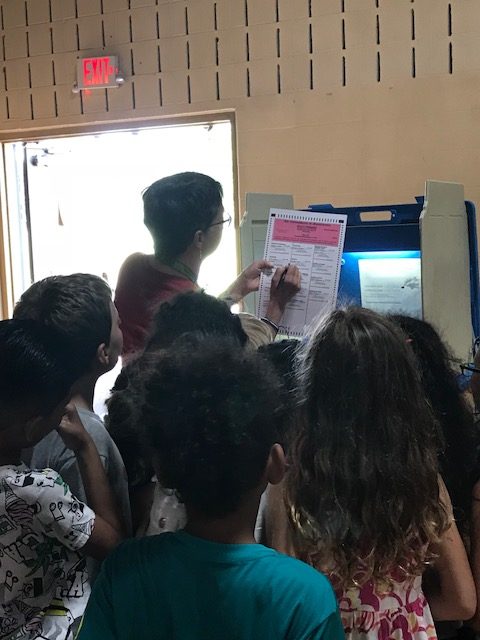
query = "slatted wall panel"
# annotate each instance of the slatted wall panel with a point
(182, 55)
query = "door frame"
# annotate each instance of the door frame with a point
(34, 135)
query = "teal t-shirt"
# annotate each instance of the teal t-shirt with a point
(176, 586)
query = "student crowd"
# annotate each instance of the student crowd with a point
(241, 487)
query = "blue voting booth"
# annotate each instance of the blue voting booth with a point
(419, 258)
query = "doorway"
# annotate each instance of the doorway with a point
(75, 202)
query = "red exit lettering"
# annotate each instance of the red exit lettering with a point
(98, 71)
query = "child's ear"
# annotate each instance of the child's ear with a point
(103, 355)
(276, 465)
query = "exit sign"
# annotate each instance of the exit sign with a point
(97, 73)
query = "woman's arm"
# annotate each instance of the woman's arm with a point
(454, 597)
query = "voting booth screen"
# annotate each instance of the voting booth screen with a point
(384, 281)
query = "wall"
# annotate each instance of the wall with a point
(343, 101)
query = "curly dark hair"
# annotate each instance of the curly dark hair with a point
(363, 488)
(210, 411)
(459, 458)
(178, 206)
(192, 312)
(78, 306)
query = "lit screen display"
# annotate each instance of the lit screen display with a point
(384, 281)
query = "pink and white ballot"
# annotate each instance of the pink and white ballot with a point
(314, 242)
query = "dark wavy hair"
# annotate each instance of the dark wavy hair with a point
(210, 411)
(458, 460)
(78, 306)
(178, 206)
(363, 487)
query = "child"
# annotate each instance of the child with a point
(80, 308)
(210, 411)
(363, 487)
(43, 581)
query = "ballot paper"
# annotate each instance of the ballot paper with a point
(313, 242)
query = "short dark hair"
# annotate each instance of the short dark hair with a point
(210, 410)
(34, 367)
(192, 312)
(178, 206)
(78, 306)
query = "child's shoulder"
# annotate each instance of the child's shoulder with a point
(296, 571)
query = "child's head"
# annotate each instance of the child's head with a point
(80, 308)
(194, 312)
(179, 207)
(210, 410)
(35, 381)
(363, 485)
(450, 409)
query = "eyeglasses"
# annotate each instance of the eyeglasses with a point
(227, 221)
(468, 369)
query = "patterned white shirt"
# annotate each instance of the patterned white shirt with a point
(44, 584)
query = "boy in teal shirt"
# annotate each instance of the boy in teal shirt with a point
(210, 412)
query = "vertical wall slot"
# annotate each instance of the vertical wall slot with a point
(103, 34)
(76, 9)
(26, 13)
(247, 44)
(189, 90)
(160, 92)
(134, 100)
(342, 6)
(159, 59)
(107, 105)
(77, 34)
(450, 25)
(246, 13)
(248, 83)
(51, 40)
(7, 105)
(378, 28)
(310, 39)
(344, 40)
(344, 72)
(413, 24)
(55, 104)
(215, 17)
(450, 57)
(379, 69)
(130, 28)
(414, 63)
(186, 22)
(278, 43)
(277, 11)
(82, 111)
(217, 51)
(309, 8)
(29, 75)
(32, 114)
(50, 15)
(101, 11)
(5, 78)
(279, 80)
(132, 62)
(158, 26)
(53, 73)
(217, 78)
(2, 24)
(27, 35)
(311, 75)
(188, 55)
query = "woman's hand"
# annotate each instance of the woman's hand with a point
(72, 431)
